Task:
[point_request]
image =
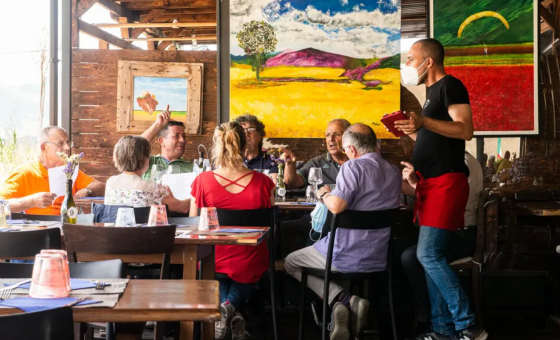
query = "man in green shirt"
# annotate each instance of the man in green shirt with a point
(172, 138)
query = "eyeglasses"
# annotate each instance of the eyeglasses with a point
(333, 134)
(61, 143)
(250, 130)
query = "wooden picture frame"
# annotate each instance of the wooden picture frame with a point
(192, 72)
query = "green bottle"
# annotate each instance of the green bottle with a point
(68, 210)
(280, 186)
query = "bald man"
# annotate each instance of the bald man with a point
(438, 177)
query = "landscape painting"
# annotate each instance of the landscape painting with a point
(491, 47)
(153, 94)
(298, 64)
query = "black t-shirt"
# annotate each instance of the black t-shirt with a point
(434, 154)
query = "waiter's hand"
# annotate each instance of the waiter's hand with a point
(411, 125)
(409, 175)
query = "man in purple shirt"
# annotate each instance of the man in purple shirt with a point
(366, 183)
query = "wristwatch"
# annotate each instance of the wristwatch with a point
(88, 191)
(323, 195)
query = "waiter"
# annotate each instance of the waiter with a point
(438, 176)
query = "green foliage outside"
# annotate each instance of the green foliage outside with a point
(12, 154)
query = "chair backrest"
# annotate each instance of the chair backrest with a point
(28, 243)
(30, 217)
(112, 269)
(480, 227)
(44, 325)
(108, 213)
(486, 250)
(117, 241)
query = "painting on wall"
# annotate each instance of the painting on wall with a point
(297, 64)
(491, 46)
(153, 95)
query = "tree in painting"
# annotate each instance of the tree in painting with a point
(257, 39)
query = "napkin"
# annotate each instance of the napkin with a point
(237, 230)
(74, 284)
(29, 304)
(16, 222)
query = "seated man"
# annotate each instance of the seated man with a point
(329, 162)
(255, 158)
(366, 182)
(172, 138)
(461, 245)
(27, 189)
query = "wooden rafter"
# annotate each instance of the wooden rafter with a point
(203, 38)
(549, 18)
(169, 4)
(115, 8)
(125, 33)
(150, 17)
(164, 44)
(100, 34)
(84, 6)
(158, 25)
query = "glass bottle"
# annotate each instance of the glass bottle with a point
(280, 186)
(68, 210)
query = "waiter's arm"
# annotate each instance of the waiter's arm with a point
(460, 128)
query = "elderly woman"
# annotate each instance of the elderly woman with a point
(131, 157)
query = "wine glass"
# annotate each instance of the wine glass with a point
(315, 177)
(173, 169)
(157, 173)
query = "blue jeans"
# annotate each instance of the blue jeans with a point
(234, 291)
(450, 305)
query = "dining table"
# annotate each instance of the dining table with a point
(153, 300)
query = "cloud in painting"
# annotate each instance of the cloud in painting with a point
(172, 91)
(363, 32)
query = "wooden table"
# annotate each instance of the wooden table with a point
(540, 208)
(188, 251)
(155, 300)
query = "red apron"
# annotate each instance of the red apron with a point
(441, 201)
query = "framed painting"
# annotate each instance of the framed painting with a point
(297, 64)
(492, 47)
(148, 88)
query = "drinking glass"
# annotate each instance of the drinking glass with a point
(157, 173)
(310, 194)
(64, 256)
(315, 177)
(173, 169)
(125, 217)
(48, 280)
(158, 216)
(3, 223)
(208, 219)
(7, 211)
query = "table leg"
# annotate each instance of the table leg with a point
(189, 273)
(208, 273)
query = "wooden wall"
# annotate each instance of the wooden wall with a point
(94, 103)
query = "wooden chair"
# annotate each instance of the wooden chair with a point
(108, 213)
(257, 218)
(351, 219)
(28, 243)
(117, 243)
(30, 217)
(475, 264)
(44, 325)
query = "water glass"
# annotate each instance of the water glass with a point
(158, 216)
(48, 280)
(208, 219)
(7, 211)
(125, 217)
(64, 256)
(310, 194)
(157, 173)
(173, 169)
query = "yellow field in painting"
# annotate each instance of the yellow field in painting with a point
(141, 115)
(303, 109)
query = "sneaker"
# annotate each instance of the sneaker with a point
(339, 322)
(473, 332)
(431, 335)
(359, 314)
(220, 327)
(238, 327)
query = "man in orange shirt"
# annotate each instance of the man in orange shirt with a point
(27, 189)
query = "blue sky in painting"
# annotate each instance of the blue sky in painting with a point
(172, 91)
(356, 28)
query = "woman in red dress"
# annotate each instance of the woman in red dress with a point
(233, 186)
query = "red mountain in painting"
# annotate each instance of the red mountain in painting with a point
(310, 57)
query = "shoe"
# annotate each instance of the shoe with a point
(474, 332)
(431, 335)
(339, 322)
(238, 327)
(220, 327)
(358, 315)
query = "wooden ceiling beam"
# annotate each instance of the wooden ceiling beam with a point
(187, 18)
(100, 34)
(148, 18)
(169, 4)
(191, 11)
(125, 32)
(206, 38)
(84, 6)
(548, 17)
(115, 8)
(164, 44)
(158, 25)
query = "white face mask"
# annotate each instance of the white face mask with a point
(409, 75)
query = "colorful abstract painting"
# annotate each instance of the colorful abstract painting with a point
(491, 46)
(298, 64)
(153, 94)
